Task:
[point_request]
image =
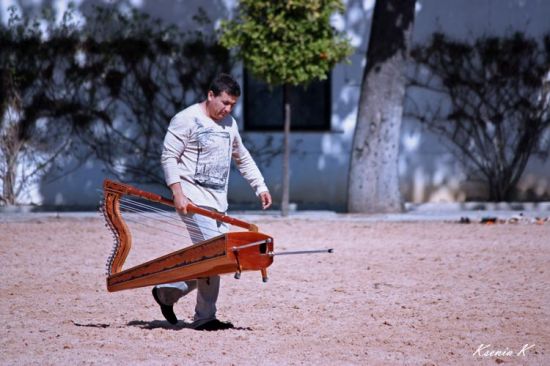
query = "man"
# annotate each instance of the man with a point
(196, 158)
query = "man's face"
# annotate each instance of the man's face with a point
(220, 106)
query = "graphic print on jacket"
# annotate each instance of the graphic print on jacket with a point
(213, 159)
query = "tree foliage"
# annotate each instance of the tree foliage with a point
(487, 98)
(286, 42)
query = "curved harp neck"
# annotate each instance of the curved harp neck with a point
(119, 229)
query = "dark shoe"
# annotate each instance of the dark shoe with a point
(167, 310)
(215, 324)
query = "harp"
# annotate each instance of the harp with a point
(227, 253)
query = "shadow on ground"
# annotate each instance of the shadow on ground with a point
(155, 324)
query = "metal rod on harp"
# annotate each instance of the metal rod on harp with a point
(257, 243)
(272, 254)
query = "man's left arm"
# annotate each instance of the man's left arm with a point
(249, 170)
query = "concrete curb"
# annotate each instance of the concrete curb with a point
(474, 211)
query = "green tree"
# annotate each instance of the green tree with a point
(286, 43)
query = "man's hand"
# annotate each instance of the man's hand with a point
(265, 198)
(180, 200)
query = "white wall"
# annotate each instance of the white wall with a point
(319, 170)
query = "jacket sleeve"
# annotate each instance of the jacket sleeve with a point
(247, 167)
(175, 141)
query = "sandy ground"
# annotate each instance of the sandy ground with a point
(421, 293)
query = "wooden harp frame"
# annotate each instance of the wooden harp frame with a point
(231, 252)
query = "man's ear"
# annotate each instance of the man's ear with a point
(210, 95)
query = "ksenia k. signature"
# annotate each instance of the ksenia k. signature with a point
(485, 350)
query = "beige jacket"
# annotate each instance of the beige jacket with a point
(197, 152)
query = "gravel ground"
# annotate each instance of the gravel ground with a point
(422, 292)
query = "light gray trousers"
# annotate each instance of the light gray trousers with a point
(200, 228)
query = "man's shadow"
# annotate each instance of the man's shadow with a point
(163, 324)
(156, 324)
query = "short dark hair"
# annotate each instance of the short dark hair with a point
(225, 83)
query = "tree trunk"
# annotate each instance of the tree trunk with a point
(8, 189)
(373, 184)
(9, 153)
(286, 155)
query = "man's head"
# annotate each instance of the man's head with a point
(223, 94)
(225, 83)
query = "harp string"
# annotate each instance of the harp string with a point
(176, 219)
(165, 201)
(171, 217)
(140, 214)
(172, 223)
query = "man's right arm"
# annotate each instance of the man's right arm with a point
(173, 148)
(180, 200)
